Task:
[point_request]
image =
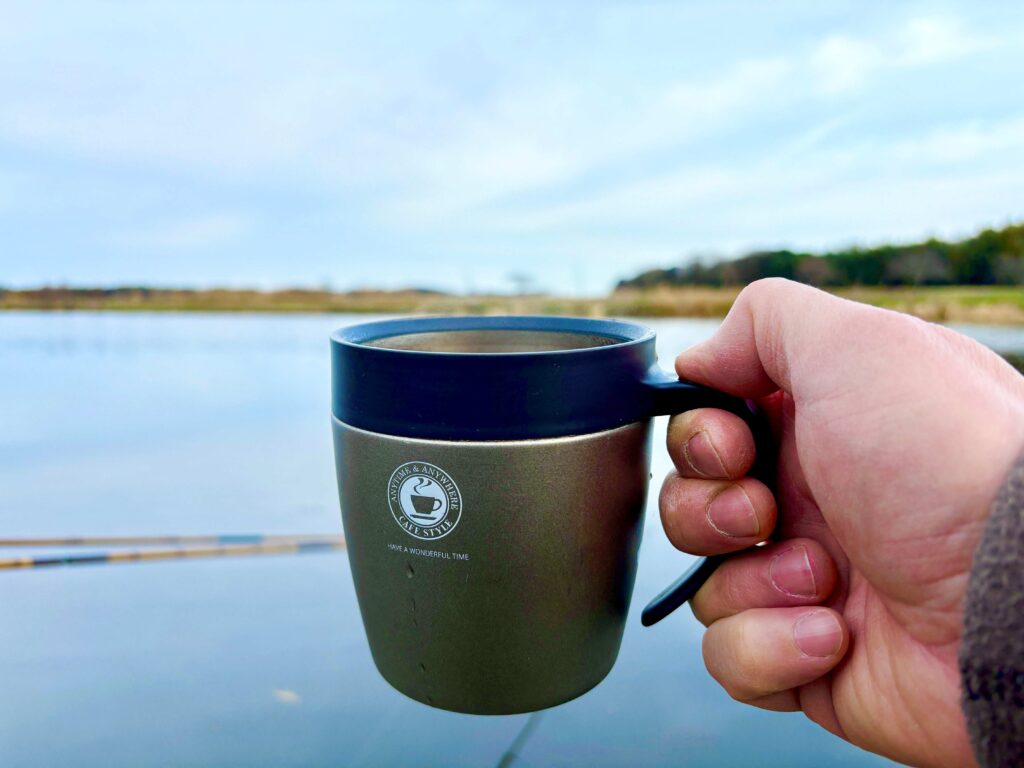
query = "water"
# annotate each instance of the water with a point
(149, 424)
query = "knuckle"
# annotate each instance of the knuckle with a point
(701, 608)
(669, 507)
(746, 683)
(765, 287)
(717, 599)
(743, 644)
(731, 593)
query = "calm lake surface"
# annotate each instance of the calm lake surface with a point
(120, 424)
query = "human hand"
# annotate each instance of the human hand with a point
(894, 436)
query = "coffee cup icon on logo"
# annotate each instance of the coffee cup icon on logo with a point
(422, 501)
(425, 505)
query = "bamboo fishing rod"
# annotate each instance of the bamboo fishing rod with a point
(258, 545)
(166, 540)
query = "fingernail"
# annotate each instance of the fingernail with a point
(818, 634)
(702, 456)
(791, 572)
(731, 514)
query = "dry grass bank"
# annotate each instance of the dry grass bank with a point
(999, 305)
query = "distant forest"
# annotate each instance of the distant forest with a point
(992, 257)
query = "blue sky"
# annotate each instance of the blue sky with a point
(448, 145)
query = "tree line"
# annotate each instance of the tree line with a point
(992, 257)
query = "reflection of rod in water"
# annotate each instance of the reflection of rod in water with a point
(512, 753)
(167, 541)
(140, 555)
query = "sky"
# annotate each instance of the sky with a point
(453, 145)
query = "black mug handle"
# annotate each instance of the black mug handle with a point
(671, 396)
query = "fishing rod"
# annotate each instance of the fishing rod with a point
(264, 546)
(166, 540)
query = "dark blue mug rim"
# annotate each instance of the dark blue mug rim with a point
(492, 395)
(622, 332)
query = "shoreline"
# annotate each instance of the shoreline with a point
(987, 305)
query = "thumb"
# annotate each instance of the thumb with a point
(775, 332)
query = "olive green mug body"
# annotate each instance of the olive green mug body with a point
(493, 577)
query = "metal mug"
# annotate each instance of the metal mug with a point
(493, 473)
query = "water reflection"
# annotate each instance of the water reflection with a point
(191, 424)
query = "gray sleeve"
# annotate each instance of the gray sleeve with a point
(992, 651)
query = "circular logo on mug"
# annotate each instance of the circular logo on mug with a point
(424, 500)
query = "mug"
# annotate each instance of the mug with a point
(493, 473)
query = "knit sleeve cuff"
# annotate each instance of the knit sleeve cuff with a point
(992, 650)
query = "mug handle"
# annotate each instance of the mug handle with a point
(671, 395)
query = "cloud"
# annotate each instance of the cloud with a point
(1001, 141)
(193, 233)
(943, 179)
(828, 153)
(930, 39)
(553, 137)
(560, 133)
(844, 63)
(426, 149)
